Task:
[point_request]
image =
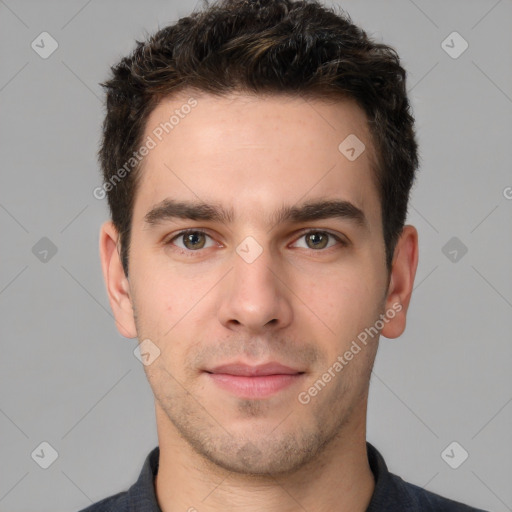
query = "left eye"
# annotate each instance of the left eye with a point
(319, 240)
(192, 240)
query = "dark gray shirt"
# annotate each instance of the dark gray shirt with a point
(391, 492)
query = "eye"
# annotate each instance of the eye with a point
(191, 240)
(318, 240)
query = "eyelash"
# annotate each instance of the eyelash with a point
(189, 252)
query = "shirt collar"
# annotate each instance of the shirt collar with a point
(141, 496)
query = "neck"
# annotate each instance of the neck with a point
(339, 478)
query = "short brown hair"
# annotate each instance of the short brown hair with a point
(262, 46)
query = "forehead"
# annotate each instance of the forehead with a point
(256, 152)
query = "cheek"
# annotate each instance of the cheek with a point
(344, 303)
(154, 301)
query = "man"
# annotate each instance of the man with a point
(258, 158)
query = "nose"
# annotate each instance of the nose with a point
(255, 295)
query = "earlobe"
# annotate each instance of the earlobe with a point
(118, 287)
(403, 271)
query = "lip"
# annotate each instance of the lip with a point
(259, 381)
(240, 369)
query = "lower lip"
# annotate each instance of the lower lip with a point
(254, 387)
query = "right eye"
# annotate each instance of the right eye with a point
(191, 240)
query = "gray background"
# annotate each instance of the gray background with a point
(68, 377)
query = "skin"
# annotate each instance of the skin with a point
(295, 303)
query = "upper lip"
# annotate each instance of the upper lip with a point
(272, 368)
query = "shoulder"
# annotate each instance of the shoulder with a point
(115, 503)
(139, 497)
(421, 499)
(392, 493)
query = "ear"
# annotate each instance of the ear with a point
(118, 287)
(403, 271)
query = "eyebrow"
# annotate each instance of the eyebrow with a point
(170, 209)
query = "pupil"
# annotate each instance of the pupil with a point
(318, 239)
(192, 240)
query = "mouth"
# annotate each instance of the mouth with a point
(254, 382)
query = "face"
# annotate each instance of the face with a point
(257, 307)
